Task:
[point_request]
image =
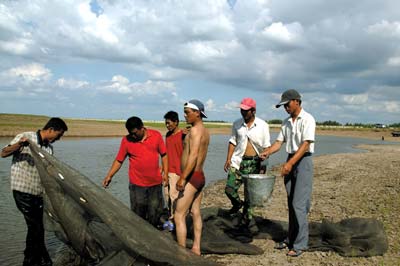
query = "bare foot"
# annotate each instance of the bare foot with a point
(196, 251)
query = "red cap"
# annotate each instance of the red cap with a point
(247, 103)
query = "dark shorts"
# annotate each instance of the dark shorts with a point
(198, 180)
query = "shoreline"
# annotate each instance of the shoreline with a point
(117, 131)
(13, 124)
(346, 185)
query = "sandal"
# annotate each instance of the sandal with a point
(280, 245)
(294, 253)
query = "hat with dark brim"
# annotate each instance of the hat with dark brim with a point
(196, 105)
(287, 96)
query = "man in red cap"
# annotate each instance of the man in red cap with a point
(250, 136)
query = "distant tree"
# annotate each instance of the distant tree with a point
(329, 123)
(395, 125)
(275, 122)
(359, 125)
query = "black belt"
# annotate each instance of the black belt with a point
(245, 157)
(305, 154)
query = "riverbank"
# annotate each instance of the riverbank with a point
(346, 185)
(12, 124)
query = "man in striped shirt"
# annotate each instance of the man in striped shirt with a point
(27, 188)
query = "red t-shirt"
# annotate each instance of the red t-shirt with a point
(174, 145)
(144, 168)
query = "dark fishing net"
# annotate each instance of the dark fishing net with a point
(99, 227)
(102, 231)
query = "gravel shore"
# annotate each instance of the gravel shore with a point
(347, 185)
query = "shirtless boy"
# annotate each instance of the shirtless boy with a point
(192, 179)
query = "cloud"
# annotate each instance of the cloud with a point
(341, 55)
(30, 78)
(283, 33)
(98, 25)
(385, 29)
(356, 99)
(233, 105)
(72, 84)
(122, 85)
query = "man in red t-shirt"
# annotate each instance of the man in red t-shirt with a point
(174, 142)
(143, 147)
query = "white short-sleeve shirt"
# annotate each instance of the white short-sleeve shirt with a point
(258, 133)
(295, 133)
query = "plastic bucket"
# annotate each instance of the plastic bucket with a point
(258, 189)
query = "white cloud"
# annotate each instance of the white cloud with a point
(98, 26)
(392, 106)
(29, 73)
(385, 28)
(72, 84)
(161, 50)
(394, 61)
(284, 33)
(233, 105)
(356, 99)
(210, 105)
(122, 85)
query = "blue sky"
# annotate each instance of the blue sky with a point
(114, 59)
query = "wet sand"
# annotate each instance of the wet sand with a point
(345, 186)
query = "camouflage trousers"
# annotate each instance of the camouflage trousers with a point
(235, 180)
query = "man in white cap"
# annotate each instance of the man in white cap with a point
(250, 136)
(298, 131)
(192, 179)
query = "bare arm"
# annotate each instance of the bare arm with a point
(190, 164)
(116, 165)
(231, 149)
(8, 150)
(270, 150)
(287, 167)
(164, 164)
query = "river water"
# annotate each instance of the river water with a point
(93, 157)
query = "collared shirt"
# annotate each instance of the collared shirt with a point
(295, 133)
(259, 136)
(24, 175)
(144, 169)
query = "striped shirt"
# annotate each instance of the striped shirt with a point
(24, 175)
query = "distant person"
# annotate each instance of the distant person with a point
(250, 136)
(143, 146)
(27, 188)
(298, 131)
(174, 143)
(192, 179)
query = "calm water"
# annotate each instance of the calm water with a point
(93, 157)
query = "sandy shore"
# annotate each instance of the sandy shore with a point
(345, 185)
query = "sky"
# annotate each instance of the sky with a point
(114, 59)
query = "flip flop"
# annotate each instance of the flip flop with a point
(294, 253)
(280, 245)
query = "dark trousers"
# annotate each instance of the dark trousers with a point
(31, 207)
(147, 202)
